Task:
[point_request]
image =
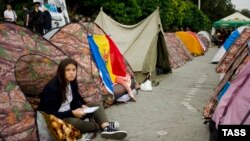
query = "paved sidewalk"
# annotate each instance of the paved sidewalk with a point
(173, 110)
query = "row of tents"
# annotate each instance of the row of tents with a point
(144, 47)
(29, 61)
(229, 103)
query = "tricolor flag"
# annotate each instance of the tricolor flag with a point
(108, 58)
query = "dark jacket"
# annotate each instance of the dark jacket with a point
(47, 20)
(51, 99)
(37, 18)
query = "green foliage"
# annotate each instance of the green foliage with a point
(2, 8)
(125, 12)
(216, 9)
(245, 12)
(195, 19)
(174, 13)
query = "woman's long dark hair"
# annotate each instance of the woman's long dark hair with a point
(61, 76)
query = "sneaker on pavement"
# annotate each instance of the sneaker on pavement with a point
(110, 133)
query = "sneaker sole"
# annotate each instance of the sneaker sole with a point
(118, 135)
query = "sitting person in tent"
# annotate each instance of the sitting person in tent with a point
(126, 82)
(60, 97)
(103, 47)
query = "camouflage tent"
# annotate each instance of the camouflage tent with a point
(205, 38)
(178, 54)
(72, 39)
(19, 47)
(234, 52)
(233, 61)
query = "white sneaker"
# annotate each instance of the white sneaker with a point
(146, 86)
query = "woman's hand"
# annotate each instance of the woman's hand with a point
(84, 107)
(78, 113)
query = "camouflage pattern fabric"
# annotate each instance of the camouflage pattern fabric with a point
(178, 55)
(17, 117)
(72, 39)
(237, 65)
(234, 52)
(204, 40)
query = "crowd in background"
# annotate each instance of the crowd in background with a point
(37, 19)
(221, 35)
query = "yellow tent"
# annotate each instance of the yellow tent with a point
(191, 43)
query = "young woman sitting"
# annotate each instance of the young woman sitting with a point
(60, 97)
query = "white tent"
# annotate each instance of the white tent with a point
(236, 16)
(232, 21)
(142, 44)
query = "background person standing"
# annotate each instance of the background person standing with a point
(27, 17)
(47, 20)
(37, 19)
(10, 15)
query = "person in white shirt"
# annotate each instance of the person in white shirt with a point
(10, 15)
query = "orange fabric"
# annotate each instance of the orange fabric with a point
(191, 43)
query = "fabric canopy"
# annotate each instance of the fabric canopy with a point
(232, 21)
